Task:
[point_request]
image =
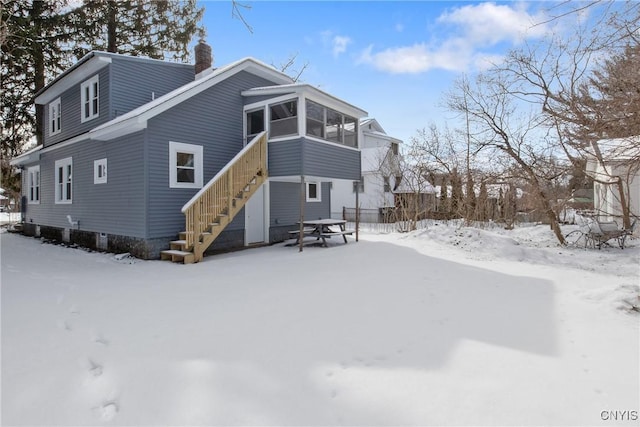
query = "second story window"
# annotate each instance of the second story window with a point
(330, 125)
(283, 119)
(90, 93)
(55, 117)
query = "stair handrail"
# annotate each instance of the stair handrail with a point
(216, 197)
(222, 171)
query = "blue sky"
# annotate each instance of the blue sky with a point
(393, 59)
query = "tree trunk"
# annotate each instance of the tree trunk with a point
(38, 65)
(112, 25)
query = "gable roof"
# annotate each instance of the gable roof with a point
(136, 119)
(88, 65)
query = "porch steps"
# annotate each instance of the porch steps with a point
(213, 208)
(178, 256)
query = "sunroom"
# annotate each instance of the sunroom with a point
(297, 111)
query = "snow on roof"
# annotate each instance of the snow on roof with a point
(136, 118)
(620, 148)
(303, 87)
(411, 183)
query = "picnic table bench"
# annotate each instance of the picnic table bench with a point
(321, 229)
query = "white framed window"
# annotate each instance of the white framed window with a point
(100, 171)
(185, 165)
(90, 95)
(33, 175)
(313, 192)
(55, 117)
(283, 118)
(63, 180)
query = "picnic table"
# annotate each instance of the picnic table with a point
(322, 229)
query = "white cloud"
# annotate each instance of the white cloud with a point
(340, 45)
(491, 23)
(476, 29)
(454, 55)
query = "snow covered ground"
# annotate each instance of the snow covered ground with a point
(442, 326)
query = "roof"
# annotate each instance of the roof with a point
(84, 68)
(620, 148)
(136, 119)
(413, 183)
(299, 88)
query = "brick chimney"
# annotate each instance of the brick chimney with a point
(204, 58)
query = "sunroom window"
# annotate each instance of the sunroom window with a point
(283, 119)
(331, 125)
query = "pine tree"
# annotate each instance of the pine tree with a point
(159, 29)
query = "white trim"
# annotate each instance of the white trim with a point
(61, 191)
(324, 141)
(265, 102)
(34, 185)
(297, 116)
(55, 117)
(197, 151)
(221, 172)
(318, 197)
(310, 92)
(73, 78)
(137, 119)
(93, 86)
(100, 171)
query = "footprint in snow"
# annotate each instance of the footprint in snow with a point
(107, 411)
(99, 339)
(64, 325)
(95, 369)
(74, 309)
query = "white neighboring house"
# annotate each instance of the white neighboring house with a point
(620, 158)
(379, 160)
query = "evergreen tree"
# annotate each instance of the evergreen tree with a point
(40, 38)
(159, 29)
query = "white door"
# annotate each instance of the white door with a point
(254, 217)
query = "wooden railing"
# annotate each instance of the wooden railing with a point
(216, 199)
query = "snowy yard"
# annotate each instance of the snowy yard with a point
(442, 326)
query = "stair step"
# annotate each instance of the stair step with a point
(178, 244)
(177, 255)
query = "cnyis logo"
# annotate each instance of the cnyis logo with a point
(618, 415)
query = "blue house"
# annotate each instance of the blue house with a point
(170, 160)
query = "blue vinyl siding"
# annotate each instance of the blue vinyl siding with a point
(213, 119)
(284, 204)
(116, 207)
(285, 158)
(70, 100)
(137, 81)
(302, 156)
(330, 160)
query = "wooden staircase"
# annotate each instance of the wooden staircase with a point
(217, 203)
